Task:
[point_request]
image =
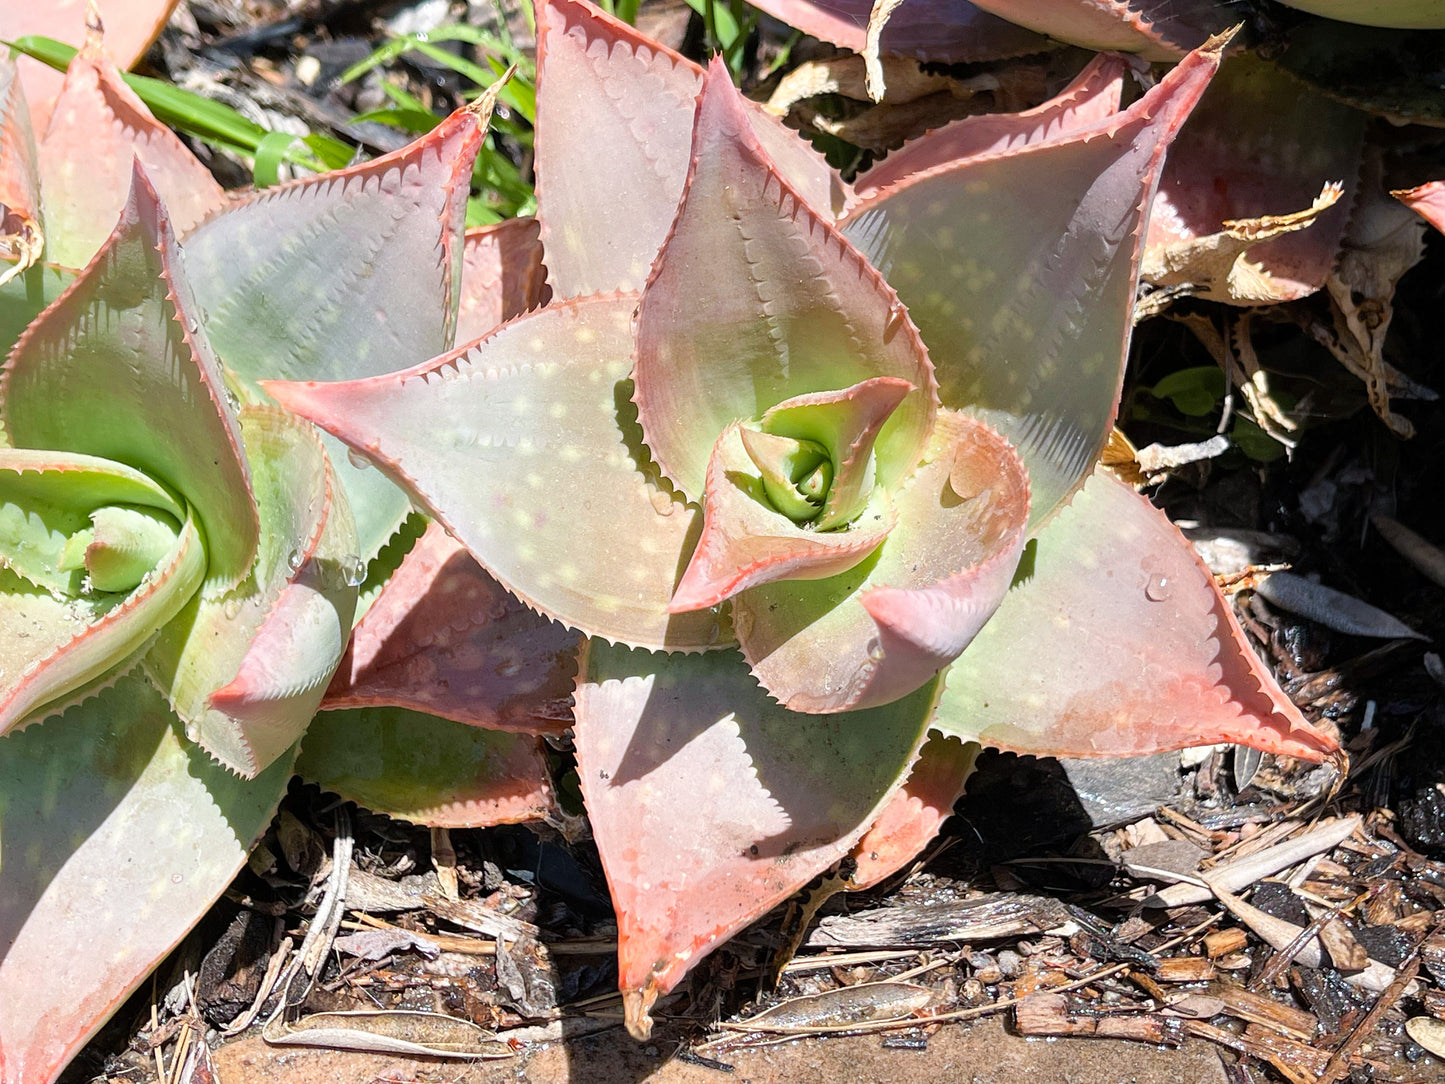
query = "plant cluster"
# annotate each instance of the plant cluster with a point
(780, 491)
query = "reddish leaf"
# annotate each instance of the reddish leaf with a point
(120, 368)
(445, 638)
(617, 93)
(1131, 648)
(1155, 29)
(710, 803)
(946, 31)
(1426, 200)
(502, 276)
(916, 811)
(1092, 97)
(1020, 270)
(1262, 143)
(884, 627)
(524, 444)
(763, 303)
(99, 127)
(428, 770)
(130, 26)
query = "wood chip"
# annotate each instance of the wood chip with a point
(1223, 942)
(1185, 969)
(1256, 1008)
(981, 919)
(1049, 1014)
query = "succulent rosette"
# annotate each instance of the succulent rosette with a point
(780, 497)
(179, 560)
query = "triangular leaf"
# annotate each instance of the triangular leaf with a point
(117, 836)
(520, 446)
(1131, 648)
(344, 275)
(1020, 270)
(746, 541)
(130, 26)
(99, 127)
(121, 368)
(428, 770)
(607, 86)
(710, 803)
(447, 639)
(761, 303)
(1093, 96)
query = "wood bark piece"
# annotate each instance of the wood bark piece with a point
(987, 917)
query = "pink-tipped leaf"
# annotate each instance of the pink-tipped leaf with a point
(447, 639)
(428, 770)
(525, 448)
(1093, 96)
(57, 635)
(887, 625)
(120, 368)
(613, 103)
(710, 804)
(1155, 29)
(1426, 200)
(941, 31)
(246, 670)
(117, 836)
(99, 126)
(1131, 649)
(915, 813)
(755, 299)
(344, 275)
(1020, 269)
(129, 25)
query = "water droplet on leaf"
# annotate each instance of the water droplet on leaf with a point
(1159, 588)
(875, 650)
(661, 502)
(294, 560)
(509, 668)
(353, 568)
(231, 608)
(193, 732)
(357, 460)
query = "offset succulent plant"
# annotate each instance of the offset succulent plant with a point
(725, 426)
(179, 561)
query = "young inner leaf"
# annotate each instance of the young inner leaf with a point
(796, 473)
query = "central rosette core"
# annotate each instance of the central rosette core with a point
(796, 474)
(798, 493)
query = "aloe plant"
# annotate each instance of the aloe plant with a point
(179, 558)
(724, 452)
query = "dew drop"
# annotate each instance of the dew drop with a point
(353, 568)
(357, 460)
(231, 608)
(294, 560)
(1159, 588)
(193, 732)
(661, 502)
(232, 401)
(176, 878)
(509, 668)
(875, 650)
